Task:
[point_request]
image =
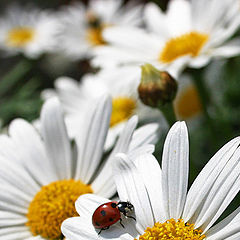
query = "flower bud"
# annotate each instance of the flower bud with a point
(156, 88)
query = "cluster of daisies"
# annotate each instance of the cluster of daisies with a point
(94, 140)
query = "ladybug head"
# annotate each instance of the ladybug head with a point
(125, 207)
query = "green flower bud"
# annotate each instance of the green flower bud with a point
(156, 88)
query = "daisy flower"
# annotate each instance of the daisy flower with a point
(187, 104)
(82, 26)
(42, 176)
(75, 97)
(190, 33)
(164, 208)
(28, 31)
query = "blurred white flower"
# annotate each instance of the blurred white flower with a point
(82, 26)
(164, 209)
(28, 31)
(190, 33)
(75, 98)
(41, 176)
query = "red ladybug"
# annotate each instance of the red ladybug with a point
(109, 213)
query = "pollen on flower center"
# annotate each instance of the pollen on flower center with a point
(19, 37)
(94, 30)
(52, 205)
(94, 36)
(171, 229)
(186, 44)
(188, 104)
(122, 109)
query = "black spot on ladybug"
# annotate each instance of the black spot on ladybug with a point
(110, 219)
(113, 205)
(97, 223)
(103, 213)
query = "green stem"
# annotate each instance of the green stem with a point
(13, 76)
(203, 93)
(169, 113)
(206, 101)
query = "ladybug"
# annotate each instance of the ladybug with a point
(109, 213)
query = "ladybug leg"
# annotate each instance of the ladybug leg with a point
(103, 229)
(121, 223)
(125, 214)
(131, 217)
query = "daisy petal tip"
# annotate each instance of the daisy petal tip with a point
(60, 82)
(179, 125)
(50, 105)
(120, 157)
(66, 225)
(15, 123)
(150, 7)
(134, 119)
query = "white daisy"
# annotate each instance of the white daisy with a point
(75, 98)
(164, 208)
(28, 31)
(189, 33)
(41, 176)
(82, 26)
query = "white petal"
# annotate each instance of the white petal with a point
(55, 138)
(8, 219)
(226, 228)
(224, 189)
(134, 39)
(178, 17)
(104, 184)
(13, 174)
(145, 149)
(214, 187)
(16, 197)
(91, 141)
(15, 233)
(151, 174)
(130, 186)
(88, 203)
(147, 134)
(225, 32)
(31, 151)
(200, 61)
(175, 170)
(7, 145)
(155, 19)
(78, 228)
(35, 238)
(229, 49)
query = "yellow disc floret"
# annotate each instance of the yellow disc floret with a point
(94, 36)
(52, 205)
(188, 103)
(186, 44)
(122, 109)
(171, 229)
(19, 36)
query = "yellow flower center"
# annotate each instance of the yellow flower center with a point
(188, 104)
(94, 36)
(52, 205)
(171, 229)
(20, 36)
(122, 109)
(95, 28)
(186, 44)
